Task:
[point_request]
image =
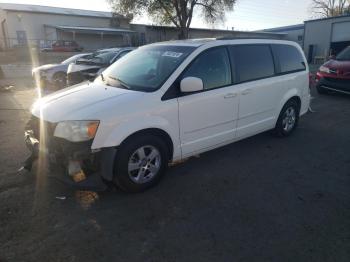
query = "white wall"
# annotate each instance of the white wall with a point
(33, 23)
(293, 35)
(319, 34)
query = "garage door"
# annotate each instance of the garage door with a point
(341, 32)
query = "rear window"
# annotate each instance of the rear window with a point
(289, 58)
(253, 62)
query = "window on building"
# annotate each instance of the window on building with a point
(213, 67)
(253, 62)
(289, 58)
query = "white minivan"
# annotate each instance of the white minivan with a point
(168, 101)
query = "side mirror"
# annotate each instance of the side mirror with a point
(191, 84)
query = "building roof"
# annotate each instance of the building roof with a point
(53, 10)
(91, 30)
(328, 18)
(284, 28)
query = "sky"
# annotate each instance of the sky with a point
(248, 15)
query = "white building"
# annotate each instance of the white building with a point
(293, 33)
(41, 25)
(319, 38)
(35, 25)
(327, 36)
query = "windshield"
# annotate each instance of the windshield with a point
(147, 68)
(98, 57)
(344, 55)
(103, 58)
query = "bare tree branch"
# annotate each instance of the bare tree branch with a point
(330, 8)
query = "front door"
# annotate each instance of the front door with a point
(208, 118)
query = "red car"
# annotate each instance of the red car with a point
(66, 46)
(334, 75)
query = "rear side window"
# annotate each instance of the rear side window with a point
(213, 67)
(289, 58)
(253, 62)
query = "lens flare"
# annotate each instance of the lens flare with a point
(42, 164)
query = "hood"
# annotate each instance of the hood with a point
(82, 102)
(45, 67)
(342, 67)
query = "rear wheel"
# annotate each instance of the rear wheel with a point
(288, 119)
(140, 163)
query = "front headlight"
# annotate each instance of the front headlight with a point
(76, 131)
(324, 69)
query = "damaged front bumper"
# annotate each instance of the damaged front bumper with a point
(73, 163)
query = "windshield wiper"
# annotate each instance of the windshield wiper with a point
(123, 84)
(102, 77)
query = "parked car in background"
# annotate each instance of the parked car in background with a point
(88, 69)
(334, 75)
(169, 101)
(66, 46)
(54, 76)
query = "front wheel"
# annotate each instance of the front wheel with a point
(288, 119)
(140, 163)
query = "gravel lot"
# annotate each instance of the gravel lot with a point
(261, 199)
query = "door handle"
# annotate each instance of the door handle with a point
(246, 92)
(230, 95)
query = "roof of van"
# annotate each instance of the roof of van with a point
(187, 42)
(203, 41)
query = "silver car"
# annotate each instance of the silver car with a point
(54, 76)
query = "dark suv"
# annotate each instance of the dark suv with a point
(334, 75)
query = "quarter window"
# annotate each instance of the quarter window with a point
(289, 58)
(253, 62)
(213, 67)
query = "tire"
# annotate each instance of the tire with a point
(60, 80)
(321, 90)
(134, 173)
(288, 119)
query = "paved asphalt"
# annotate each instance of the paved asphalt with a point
(261, 199)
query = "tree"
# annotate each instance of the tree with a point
(330, 8)
(176, 12)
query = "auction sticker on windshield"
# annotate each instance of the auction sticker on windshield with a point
(172, 54)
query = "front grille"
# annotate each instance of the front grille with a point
(338, 80)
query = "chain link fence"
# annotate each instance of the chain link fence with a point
(13, 43)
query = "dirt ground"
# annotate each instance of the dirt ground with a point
(261, 199)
